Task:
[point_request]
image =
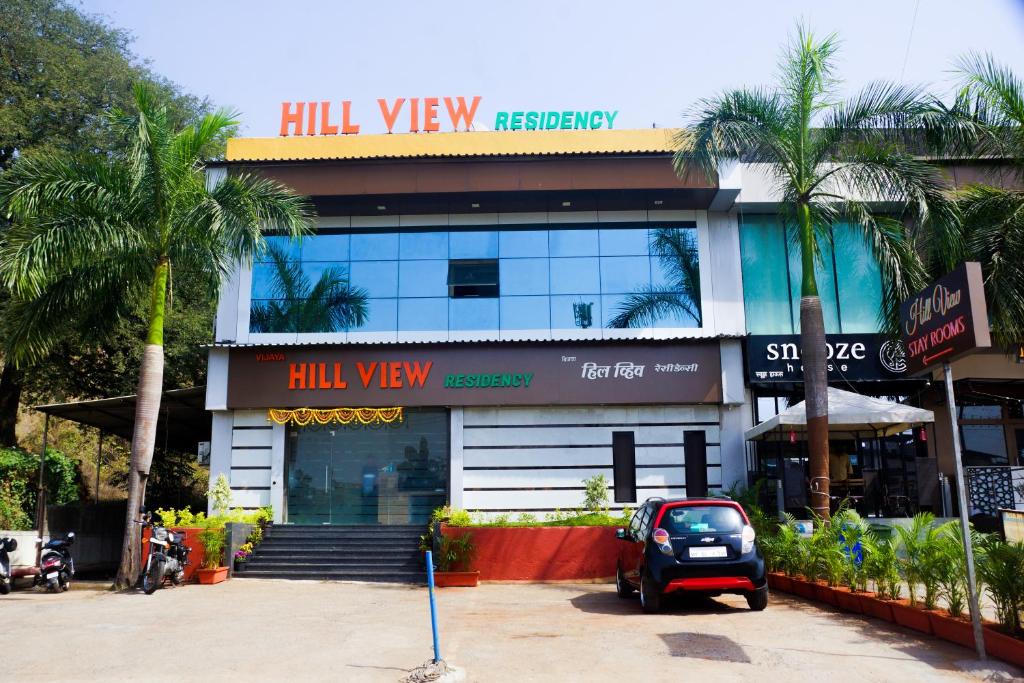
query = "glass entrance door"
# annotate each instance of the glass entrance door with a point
(368, 474)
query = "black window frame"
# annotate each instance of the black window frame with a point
(466, 288)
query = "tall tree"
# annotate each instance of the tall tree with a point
(993, 215)
(61, 71)
(91, 234)
(830, 159)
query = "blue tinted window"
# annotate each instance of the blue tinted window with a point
(423, 278)
(473, 245)
(265, 281)
(624, 242)
(424, 245)
(573, 242)
(576, 312)
(374, 246)
(621, 274)
(473, 314)
(575, 275)
(515, 243)
(525, 313)
(859, 279)
(318, 269)
(824, 275)
(378, 278)
(423, 315)
(765, 276)
(524, 276)
(325, 248)
(289, 246)
(383, 316)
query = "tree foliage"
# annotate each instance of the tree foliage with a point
(19, 477)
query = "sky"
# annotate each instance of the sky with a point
(650, 61)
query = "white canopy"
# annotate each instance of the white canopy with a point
(848, 413)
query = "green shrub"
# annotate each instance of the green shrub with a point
(1002, 572)
(12, 517)
(951, 568)
(20, 470)
(220, 495)
(882, 567)
(595, 496)
(918, 555)
(212, 540)
(456, 554)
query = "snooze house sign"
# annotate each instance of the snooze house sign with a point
(430, 115)
(328, 377)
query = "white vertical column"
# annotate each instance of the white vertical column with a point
(455, 462)
(735, 420)
(279, 433)
(220, 446)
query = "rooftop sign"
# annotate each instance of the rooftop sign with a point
(429, 115)
(945, 320)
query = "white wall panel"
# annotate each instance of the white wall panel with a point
(250, 477)
(548, 478)
(544, 500)
(250, 499)
(245, 457)
(576, 436)
(252, 437)
(251, 418)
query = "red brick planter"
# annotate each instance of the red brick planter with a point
(875, 607)
(562, 553)
(911, 617)
(954, 630)
(805, 589)
(825, 593)
(456, 579)
(1003, 646)
(847, 600)
(780, 582)
(211, 576)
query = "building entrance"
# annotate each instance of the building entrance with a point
(368, 474)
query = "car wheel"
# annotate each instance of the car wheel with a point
(650, 596)
(758, 599)
(622, 587)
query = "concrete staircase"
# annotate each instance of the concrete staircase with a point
(339, 553)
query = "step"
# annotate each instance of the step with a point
(367, 567)
(342, 536)
(342, 546)
(389, 577)
(340, 557)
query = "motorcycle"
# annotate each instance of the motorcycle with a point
(168, 556)
(56, 566)
(7, 545)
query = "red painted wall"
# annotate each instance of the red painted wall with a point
(562, 553)
(195, 558)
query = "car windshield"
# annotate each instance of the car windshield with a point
(702, 519)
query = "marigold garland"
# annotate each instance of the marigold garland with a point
(307, 416)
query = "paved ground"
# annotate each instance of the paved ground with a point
(308, 631)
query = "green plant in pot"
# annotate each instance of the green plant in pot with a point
(1001, 570)
(882, 567)
(917, 554)
(212, 570)
(453, 560)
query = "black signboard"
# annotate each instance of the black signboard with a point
(945, 320)
(851, 357)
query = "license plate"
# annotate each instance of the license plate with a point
(713, 551)
(52, 575)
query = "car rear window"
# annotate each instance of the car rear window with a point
(702, 519)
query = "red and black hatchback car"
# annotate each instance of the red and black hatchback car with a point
(696, 545)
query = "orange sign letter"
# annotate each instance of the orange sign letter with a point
(461, 113)
(325, 120)
(430, 115)
(346, 127)
(390, 116)
(297, 376)
(289, 118)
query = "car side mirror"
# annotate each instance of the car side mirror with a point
(620, 534)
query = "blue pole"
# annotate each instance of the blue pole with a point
(433, 608)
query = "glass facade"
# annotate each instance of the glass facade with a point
(849, 281)
(569, 277)
(368, 474)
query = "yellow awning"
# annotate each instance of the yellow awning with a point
(463, 144)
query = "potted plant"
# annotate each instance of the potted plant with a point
(917, 543)
(242, 556)
(882, 567)
(211, 571)
(452, 562)
(1001, 570)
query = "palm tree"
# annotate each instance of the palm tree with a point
(331, 305)
(677, 251)
(993, 217)
(93, 235)
(830, 160)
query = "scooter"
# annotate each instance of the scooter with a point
(168, 556)
(7, 545)
(56, 567)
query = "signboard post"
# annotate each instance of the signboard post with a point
(944, 321)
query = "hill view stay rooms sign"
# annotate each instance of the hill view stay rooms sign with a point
(429, 115)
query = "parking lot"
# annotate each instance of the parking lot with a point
(304, 631)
